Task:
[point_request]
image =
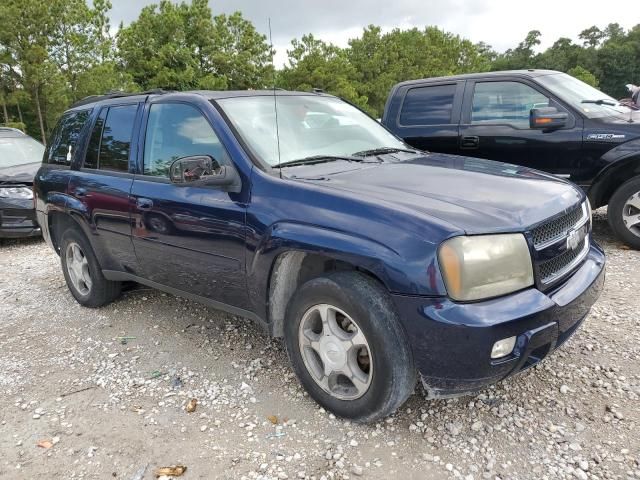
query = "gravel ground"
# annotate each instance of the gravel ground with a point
(105, 391)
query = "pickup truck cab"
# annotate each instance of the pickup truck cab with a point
(376, 262)
(540, 119)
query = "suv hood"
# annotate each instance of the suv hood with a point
(19, 174)
(477, 196)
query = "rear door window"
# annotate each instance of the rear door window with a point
(430, 105)
(65, 136)
(110, 142)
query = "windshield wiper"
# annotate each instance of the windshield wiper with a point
(313, 159)
(602, 101)
(382, 151)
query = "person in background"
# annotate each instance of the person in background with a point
(635, 93)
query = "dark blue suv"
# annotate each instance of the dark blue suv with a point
(376, 262)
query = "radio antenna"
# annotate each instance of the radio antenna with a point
(275, 98)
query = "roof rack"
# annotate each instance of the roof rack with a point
(10, 130)
(117, 94)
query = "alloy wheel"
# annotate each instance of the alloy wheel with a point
(335, 352)
(78, 268)
(631, 214)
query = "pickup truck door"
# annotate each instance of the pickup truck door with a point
(426, 116)
(495, 125)
(191, 238)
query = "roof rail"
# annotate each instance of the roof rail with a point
(117, 94)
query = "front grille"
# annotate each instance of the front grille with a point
(554, 254)
(556, 229)
(556, 267)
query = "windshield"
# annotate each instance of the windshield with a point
(576, 92)
(308, 126)
(19, 151)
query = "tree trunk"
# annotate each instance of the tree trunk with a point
(4, 111)
(19, 111)
(44, 137)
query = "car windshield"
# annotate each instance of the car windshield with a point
(582, 96)
(21, 150)
(308, 126)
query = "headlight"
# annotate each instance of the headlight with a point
(485, 266)
(589, 211)
(16, 192)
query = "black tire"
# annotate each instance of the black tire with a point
(615, 212)
(102, 291)
(393, 377)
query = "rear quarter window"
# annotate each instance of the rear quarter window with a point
(64, 139)
(430, 105)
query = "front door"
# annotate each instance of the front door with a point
(495, 125)
(191, 238)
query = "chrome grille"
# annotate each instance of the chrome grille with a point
(557, 229)
(562, 264)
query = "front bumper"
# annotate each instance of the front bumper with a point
(18, 219)
(452, 342)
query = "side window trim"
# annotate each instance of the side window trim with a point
(465, 116)
(142, 137)
(456, 107)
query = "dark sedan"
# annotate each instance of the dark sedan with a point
(20, 157)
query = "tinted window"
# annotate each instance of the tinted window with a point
(91, 158)
(428, 105)
(176, 130)
(64, 138)
(116, 138)
(505, 102)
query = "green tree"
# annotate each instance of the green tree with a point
(181, 46)
(316, 64)
(583, 74)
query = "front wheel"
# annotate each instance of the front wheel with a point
(348, 348)
(624, 212)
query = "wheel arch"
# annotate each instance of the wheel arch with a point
(611, 178)
(303, 252)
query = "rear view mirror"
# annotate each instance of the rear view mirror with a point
(547, 118)
(203, 171)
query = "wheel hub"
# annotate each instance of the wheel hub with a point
(631, 214)
(335, 352)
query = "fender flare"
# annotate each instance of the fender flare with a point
(617, 172)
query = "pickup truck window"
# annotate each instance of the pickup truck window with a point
(428, 105)
(505, 103)
(176, 130)
(582, 97)
(65, 137)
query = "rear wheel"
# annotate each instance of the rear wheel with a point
(624, 212)
(83, 273)
(348, 348)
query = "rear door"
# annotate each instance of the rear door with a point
(426, 116)
(191, 238)
(495, 125)
(102, 184)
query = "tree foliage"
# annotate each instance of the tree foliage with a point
(54, 52)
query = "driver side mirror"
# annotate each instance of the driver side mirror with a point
(547, 118)
(204, 171)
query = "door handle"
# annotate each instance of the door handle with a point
(144, 203)
(470, 142)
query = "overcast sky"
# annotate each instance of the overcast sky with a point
(500, 23)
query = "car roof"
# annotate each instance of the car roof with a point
(531, 73)
(208, 94)
(8, 132)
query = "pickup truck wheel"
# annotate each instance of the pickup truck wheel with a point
(348, 348)
(624, 212)
(83, 273)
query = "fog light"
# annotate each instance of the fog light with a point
(503, 347)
